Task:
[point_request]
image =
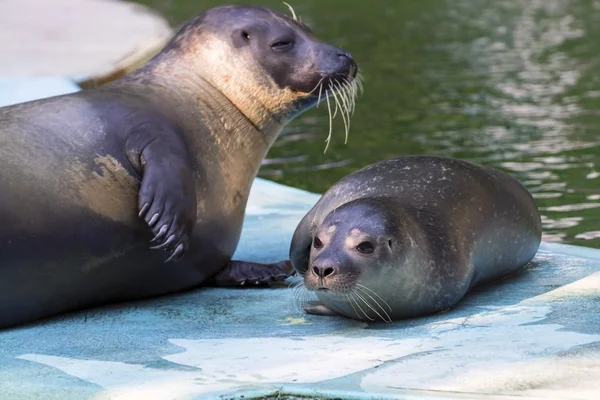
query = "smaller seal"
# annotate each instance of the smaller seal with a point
(411, 236)
(93, 183)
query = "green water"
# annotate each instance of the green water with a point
(513, 84)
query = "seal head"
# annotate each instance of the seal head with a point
(275, 61)
(355, 247)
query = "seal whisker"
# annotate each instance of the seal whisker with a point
(335, 111)
(354, 88)
(353, 93)
(298, 287)
(350, 103)
(389, 319)
(320, 91)
(346, 107)
(371, 307)
(350, 300)
(350, 95)
(359, 79)
(353, 294)
(294, 17)
(300, 295)
(318, 85)
(342, 107)
(330, 122)
(375, 293)
(294, 284)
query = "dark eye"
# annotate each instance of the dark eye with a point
(390, 242)
(282, 45)
(245, 35)
(365, 248)
(317, 243)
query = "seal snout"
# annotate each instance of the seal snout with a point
(341, 64)
(349, 66)
(324, 270)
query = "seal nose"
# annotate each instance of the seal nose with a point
(323, 271)
(349, 65)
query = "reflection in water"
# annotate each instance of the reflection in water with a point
(514, 84)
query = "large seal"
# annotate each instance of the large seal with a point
(410, 236)
(162, 158)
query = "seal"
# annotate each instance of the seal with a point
(93, 183)
(410, 236)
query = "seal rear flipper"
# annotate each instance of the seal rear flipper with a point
(167, 197)
(322, 310)
(241, 273)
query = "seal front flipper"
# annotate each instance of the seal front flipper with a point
(167, 197)
(322, 310)
(240, 273)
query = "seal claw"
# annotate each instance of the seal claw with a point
(177, 253)
(242, 273)
(161, 234)
(169, 242)
(143, 210)
(153, 219)
(168, 208)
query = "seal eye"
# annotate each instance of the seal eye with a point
(245, 35)
(365, 248)
(282, 45)
(317, 243)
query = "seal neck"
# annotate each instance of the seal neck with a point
(234, 101)
(215, 128)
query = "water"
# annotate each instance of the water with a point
(513, 84)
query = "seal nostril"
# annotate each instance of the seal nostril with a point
(322, 272)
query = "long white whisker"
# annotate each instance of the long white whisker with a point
(388, 318)
(342, 112)
(360, 308)
(375, 294)
(291, 10)
(349, 97)
(370, 306)
(345, 111)
(317, 85)
(299, 295)
(359, 81)
(330, 122)
(343, 96)
(335, 101)
(294, 284)
(320, 90)
(352, 304)
(352, 88)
